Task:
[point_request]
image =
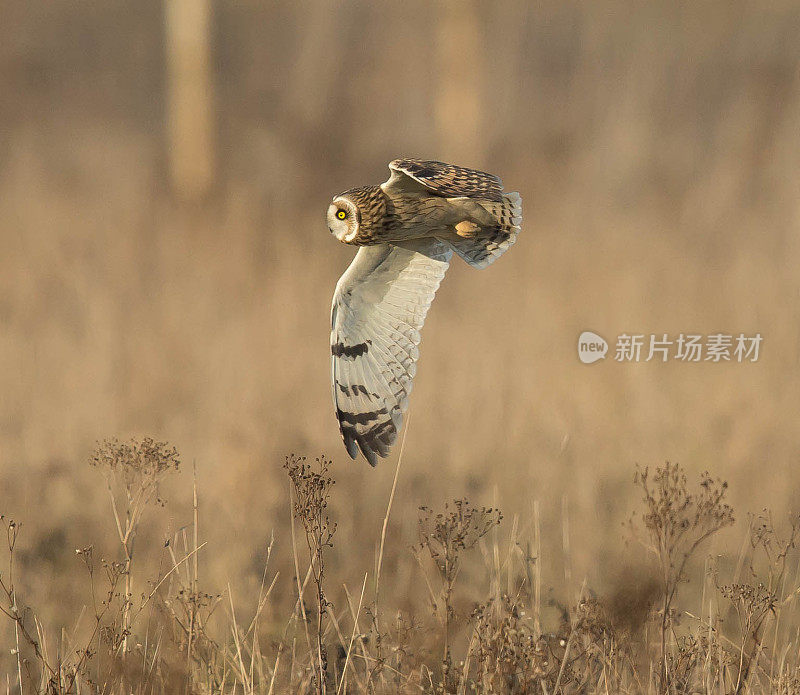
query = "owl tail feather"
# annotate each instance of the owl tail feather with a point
(482, 240)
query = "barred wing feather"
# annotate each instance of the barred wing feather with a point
(446, 180)
(378, 310)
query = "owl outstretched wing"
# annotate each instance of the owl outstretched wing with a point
(446, 180)
(378, 310)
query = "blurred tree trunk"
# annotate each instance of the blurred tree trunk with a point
(190, 112)
(318, 65)
(460, 100)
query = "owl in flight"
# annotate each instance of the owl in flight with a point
(407, 229)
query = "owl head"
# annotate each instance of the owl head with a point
(357, 216)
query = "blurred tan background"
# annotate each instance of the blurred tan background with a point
(165, 267)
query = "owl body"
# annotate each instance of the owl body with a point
(407, 230)
(373, 216)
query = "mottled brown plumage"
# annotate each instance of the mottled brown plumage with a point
(424, 198)
(449, 180)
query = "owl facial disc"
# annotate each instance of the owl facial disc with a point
(343, 220)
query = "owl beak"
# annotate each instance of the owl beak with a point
(331, 213)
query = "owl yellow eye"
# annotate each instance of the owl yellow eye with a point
(341, 214)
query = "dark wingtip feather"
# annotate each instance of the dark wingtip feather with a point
(351, 446)
(369, 454)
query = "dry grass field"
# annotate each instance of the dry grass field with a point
(656, 148)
